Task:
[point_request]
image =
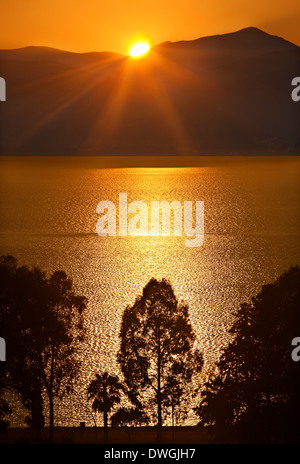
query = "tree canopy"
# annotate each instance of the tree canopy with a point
(105, 391)
(256, 384)
(42, 321)
(157, 355)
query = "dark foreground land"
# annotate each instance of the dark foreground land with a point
(94, 435)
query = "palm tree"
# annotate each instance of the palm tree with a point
(105, 390)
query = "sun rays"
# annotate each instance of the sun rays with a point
(118, 99)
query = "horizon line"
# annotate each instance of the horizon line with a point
(152, 46)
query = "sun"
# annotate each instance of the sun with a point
(139, 49)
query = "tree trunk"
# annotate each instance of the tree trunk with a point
(50, 393)
(158, 396)
(173, 422)
(159, 418)
(105, 433)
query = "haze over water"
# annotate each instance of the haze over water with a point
(252, 225)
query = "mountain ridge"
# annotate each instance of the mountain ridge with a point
(222, 94)
(250, 31)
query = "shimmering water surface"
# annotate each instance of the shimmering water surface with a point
(252, 225)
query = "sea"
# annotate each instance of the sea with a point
(48, 220)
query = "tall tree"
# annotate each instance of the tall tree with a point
(157, 343)
(105, 391)
(257, 381)
(59, 362)
(43, 319)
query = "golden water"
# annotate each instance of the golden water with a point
(252, 225)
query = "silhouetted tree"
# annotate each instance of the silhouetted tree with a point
(180, 390)
(33, 401)
(217, 406)
(257, 383)
(4, 411)
(157, 347)
(43, 325)
(59, 362)
(105, 391)
(7, 329)
(128, 418)
(4, 406)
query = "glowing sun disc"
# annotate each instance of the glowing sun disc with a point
(139, 49)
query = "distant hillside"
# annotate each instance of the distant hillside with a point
(225, 94)
(61, 56)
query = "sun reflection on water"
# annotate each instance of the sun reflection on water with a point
(49, 219)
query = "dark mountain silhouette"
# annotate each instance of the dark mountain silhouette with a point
(68, 58)
(225, 94)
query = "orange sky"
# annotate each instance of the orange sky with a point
(112, 25)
